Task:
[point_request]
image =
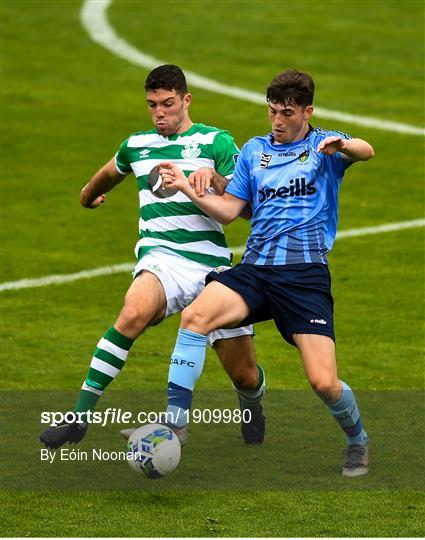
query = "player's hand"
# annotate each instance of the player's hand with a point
(93, 204)
(201, 179)
(97, 202)
(172, 177)
(331, 145)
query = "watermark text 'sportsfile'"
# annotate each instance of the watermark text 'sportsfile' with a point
(113, 415)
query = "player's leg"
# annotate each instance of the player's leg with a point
(319, 361)
(302, 307)
(216, 307)
(237, 357)
(144, 304)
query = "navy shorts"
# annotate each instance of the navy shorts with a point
(296, 296)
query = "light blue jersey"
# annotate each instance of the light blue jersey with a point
(293, 190)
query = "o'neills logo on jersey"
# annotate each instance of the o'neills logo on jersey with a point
(297, 188)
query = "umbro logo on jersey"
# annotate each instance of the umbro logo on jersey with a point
(297, 188)
(265, 160)
(144, 153)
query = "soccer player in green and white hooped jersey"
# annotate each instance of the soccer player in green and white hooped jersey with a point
(179, 245)
(168, 219)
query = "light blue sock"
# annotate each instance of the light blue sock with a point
(346, 413)
(186, 366)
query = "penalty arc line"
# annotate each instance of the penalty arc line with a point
(94, 20)
(58, 279)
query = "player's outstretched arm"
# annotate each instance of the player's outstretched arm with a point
(206, 177)
(353, 149)
(224, 208)
(93, 194)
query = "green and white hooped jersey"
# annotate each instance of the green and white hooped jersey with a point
(168, 219)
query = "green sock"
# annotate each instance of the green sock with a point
(251, 399)
(108, 360)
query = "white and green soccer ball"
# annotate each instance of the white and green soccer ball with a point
(153, 450)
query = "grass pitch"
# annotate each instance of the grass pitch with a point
(67, 106)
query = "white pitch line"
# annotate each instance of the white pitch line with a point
(128, 267)
(94, 20)
(58, 279)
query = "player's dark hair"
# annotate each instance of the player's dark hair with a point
(291, 86)
(168, 77)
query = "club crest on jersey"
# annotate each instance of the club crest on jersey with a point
(191, 150)
(265, 160)
(303, 157)
(144, 153)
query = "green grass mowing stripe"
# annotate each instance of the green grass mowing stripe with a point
(383, 513)
(57, 234)
(302, 450)
(378, 314)
(312, 28)
(93, 17)
(291, 485)
(127, 267)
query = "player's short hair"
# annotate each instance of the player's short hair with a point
(168, 77)
(291, 86)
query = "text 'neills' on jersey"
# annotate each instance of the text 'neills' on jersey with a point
(297, 188)
(293, 191)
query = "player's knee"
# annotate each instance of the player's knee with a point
(326, 387)
(132, 319)
(245, 379)
(194, 320)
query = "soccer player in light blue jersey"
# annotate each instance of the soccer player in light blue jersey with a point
(291, 178)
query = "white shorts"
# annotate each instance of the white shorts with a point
(183, 280)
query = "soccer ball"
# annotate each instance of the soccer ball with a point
(153, 450)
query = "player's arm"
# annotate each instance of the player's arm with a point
(224, 208)
(93, 194)
(204, 178)
(224, 154)
(246, 212)
(352, 149)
